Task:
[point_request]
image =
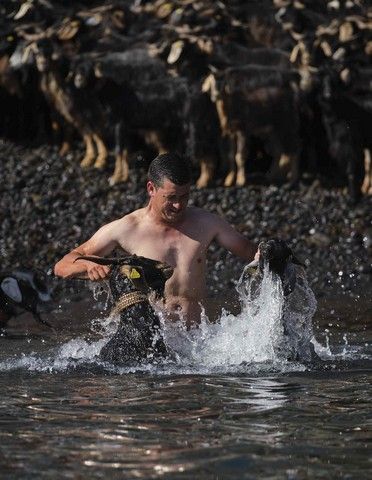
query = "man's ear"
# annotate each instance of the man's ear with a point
(150, 188)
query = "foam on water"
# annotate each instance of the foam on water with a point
(254, 341)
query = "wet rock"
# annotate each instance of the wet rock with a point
(47, 207)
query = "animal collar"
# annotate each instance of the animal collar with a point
(127, 300)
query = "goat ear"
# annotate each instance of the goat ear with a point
(132, 272)
(9, 286)
(165, 269)
(297, 261)
(98, 70)
(136, 275)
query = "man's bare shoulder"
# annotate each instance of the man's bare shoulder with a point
(125, 223)
(204, 221)
(200, 214)
(133, 217)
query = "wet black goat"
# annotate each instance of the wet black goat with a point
(280, 259)
(132, 280)
(299, 303)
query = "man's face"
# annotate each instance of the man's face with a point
(169, 201)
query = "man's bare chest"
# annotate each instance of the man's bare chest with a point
(170, 246)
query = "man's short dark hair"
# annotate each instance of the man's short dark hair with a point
(171, 166)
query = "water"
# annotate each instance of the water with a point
(227, 404)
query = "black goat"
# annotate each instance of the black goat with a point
(132, 280)
(299, 303)
(280, 259)
(81, 111)
(253, 101)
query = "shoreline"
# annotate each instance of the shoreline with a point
(49, 205)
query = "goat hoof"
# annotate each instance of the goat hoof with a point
(100, 164)
(115, 179)
(229, 180)
(366, 190)
(86, 162)
(240, 181)
(202, 183)
(64, 149)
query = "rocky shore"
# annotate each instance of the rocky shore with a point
(49, 205)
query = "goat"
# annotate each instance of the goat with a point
(139, 98)
(299, 303)
(132, 280)
(21, 291)
(82, 112)
(347, 118)
(254, 101)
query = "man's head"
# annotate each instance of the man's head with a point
(168, 186)
(169, 166)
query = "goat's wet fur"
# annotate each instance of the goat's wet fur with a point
(299, 303)
(135, 282)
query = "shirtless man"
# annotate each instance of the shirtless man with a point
(166, 230)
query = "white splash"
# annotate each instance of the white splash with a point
(248, 337)
(271, 333)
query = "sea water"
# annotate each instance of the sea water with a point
(226, 403)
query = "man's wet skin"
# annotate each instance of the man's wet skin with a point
(169, 231)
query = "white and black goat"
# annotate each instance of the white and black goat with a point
(24, 290)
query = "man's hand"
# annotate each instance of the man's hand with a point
(94, 271)
(97, 272)
(257, 255)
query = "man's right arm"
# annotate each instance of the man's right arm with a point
(102, 243)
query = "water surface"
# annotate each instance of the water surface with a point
(235, 411)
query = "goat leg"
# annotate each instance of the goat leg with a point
(280, 168)
(90, 153)
(240, 157)
(367, 182)
(121, 172)
(231, 175)
(206, 172)
(294, 173)
(102, 152)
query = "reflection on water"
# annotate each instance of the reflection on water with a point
(143, 426)
(224, 406)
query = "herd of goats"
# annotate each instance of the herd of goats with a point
(279, 86)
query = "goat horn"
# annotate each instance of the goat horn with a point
(101, 260)
(34, 37)
(360, 21)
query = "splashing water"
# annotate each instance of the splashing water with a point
(248, 337)
(271, 333)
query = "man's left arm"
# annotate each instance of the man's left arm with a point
(235, 242)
